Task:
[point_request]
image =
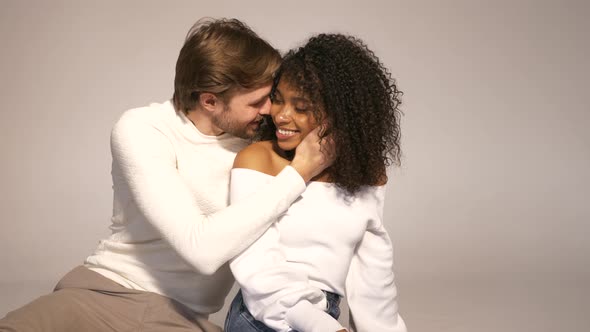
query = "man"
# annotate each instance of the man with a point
(164, 266)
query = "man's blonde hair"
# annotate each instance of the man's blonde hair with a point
(219, 56)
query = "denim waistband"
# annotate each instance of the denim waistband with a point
(333, 297)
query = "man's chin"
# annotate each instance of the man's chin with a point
(245, 134)
(251, 131)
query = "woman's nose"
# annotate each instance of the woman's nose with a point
(282, 116)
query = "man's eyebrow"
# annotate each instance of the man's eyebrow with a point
(259, 100)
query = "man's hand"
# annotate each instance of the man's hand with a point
(313, 156)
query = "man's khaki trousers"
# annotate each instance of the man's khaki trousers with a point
(85, 301)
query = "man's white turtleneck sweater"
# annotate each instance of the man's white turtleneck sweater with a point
(172, 229)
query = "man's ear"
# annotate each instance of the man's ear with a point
(209, 101)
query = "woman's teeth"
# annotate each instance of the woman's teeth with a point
(286, 132)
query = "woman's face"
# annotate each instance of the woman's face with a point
(292, 114)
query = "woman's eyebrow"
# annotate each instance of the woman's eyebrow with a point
(298, 99)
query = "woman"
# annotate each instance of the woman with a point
(332, 241)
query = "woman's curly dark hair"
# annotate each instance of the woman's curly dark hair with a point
(358, 100)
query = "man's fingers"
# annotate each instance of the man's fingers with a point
(328, 148)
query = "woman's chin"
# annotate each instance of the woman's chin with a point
(287, 146)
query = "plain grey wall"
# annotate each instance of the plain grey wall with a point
(489, 213)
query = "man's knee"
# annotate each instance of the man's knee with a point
(50, 312)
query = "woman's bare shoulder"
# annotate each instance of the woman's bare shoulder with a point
(258, 156)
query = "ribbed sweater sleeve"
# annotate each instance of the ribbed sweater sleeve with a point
(370, 287)
(145, 158)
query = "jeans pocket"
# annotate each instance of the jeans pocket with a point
(239, 319)
(333, 304)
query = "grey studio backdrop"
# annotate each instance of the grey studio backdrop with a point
(489, 212)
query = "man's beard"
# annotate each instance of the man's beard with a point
(232, 127)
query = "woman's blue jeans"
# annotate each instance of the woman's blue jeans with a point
(239, 318)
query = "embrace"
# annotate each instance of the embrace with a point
(262, 169)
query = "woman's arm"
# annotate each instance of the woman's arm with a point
(370, 287)
(275, 294)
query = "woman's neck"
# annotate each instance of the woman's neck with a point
(288, 156)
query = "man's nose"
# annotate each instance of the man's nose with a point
(265, 109)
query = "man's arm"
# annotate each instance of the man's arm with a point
(312, 155)
(146, 161)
